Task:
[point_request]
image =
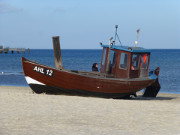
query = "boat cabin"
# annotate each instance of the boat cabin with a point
(125, 62)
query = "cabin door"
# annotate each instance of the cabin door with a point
(103, 61)
(135, 70)
(112, 62)
(123, 66)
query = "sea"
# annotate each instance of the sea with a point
(11, 72)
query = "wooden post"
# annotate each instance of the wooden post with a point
(28, 50)
(57, 52)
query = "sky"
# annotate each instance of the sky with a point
(82, 24)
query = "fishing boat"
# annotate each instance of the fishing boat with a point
(124, 71)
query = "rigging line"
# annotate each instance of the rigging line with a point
(118, 39)
(115, 35)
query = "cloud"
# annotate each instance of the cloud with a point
(7, 8)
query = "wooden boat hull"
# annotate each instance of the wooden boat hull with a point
(46, 79)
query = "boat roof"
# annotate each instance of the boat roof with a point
(128, 48)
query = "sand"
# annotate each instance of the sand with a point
(25, 113)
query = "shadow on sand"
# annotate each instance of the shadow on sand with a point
(153, 98)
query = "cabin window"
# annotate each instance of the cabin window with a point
(135, 62)
(144, 61)
(104, 56)
(112, 57)
(123, 61)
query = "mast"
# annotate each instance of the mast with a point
(136, 42)
(116, 35)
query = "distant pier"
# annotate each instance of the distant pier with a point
(12, 50)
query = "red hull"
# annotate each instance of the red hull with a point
(42, 78)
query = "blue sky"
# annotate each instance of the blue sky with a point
(83, 24)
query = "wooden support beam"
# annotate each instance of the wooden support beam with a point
(57, 52)
(28, 50)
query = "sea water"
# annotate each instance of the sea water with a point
(11, 72)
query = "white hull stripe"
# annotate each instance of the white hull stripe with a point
(32, 81)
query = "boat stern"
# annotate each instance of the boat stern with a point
(153, 89)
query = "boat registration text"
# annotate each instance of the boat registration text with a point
(44, 71)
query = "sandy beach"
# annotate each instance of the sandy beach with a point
(22, 112)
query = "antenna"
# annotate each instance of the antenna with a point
(110, 41)
(116, 35)
(136, 42)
